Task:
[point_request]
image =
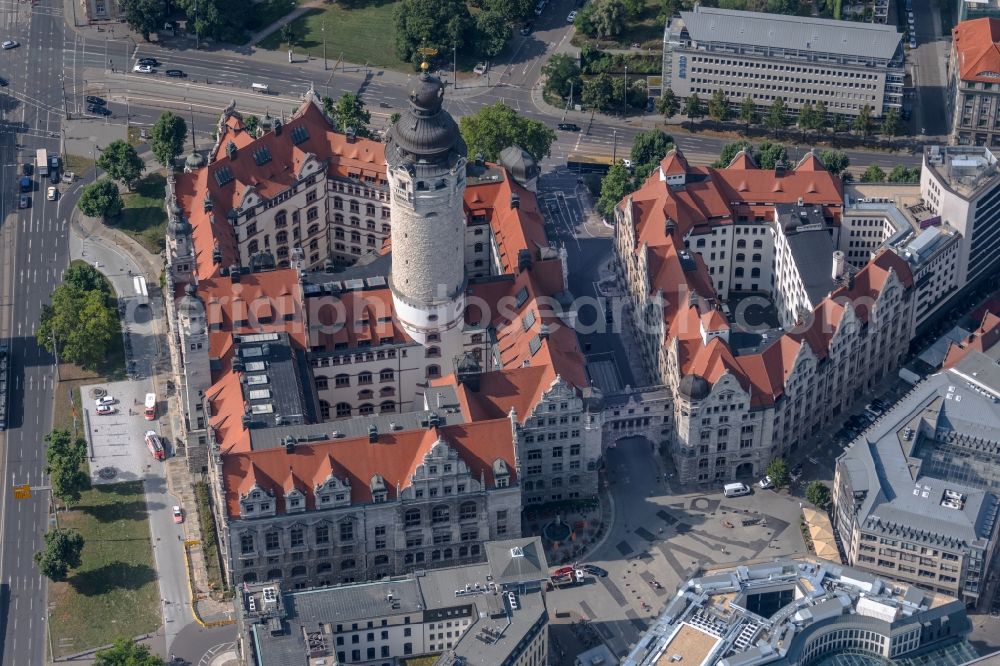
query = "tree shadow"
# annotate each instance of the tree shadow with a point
(113, 576)
(110, 513)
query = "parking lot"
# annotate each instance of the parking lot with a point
(116, 441)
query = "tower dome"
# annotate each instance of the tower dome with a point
(425, 133)
(178, 225)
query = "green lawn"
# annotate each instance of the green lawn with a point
(114, 592)
(350, 34)
(144, 217)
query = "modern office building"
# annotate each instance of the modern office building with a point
(490, 614)
(916, 495)
(796, 611)
(973, 88)
(962, 185)
(845, 64)
(692, 245)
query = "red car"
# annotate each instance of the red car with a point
(178, 515)
(562, 571)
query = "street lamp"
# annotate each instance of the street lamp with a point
(625, 95)
(323, 30)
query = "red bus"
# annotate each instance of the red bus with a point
(155, 446)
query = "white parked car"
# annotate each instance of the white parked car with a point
(571, 17)
(9, 44)
(143, 69)
(105, 410)
(50, 193)
(480, 68)
(766, 483)
(106, 401)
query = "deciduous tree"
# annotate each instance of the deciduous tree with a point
(748, 111)
(126, 652)
(562, 74)
(492, 30)
(495, 127)
(873, 174)
(718, 106)
(777, 115)
(86, 278)
(144, 16)
(598, 92)
(890, 123)
(60, 554)
(818, 494)
(614, 187)
(101, 199)
(609, 18)
(79, 323)
(168, 134)
(835, 161)
(668, 105)
(863, 121)
(349, 112)
(769, 154)
(693, 108)
(648, 149)
(729, 151)
(122, 163)
(438, 24)
(777, 469)
(64, 457)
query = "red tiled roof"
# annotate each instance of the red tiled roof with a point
(394, 457)
(515, 229)
(674, 163)
(715, 197)
(982, 340)
(977, 49)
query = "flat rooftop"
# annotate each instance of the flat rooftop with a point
(965, 169)
(272, 391)
(692, 645)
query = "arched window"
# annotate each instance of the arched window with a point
(408, 558)
(700, 243)
(435, 556)
(253, 247)
(574, 480)
(411, 518)
(322, 383)
(366, 409)
(467, 511)
(338, 203)
(739, 271)
(478, 247)
(758, 244)
(386, 375)
(355, 237)
(385, 228)
(283, 251)
(741, 243)
(756, 258)
(312, 214)
(381, 560)
(298, 571)
(463, 551)
(419, 558)
(324, 410)
(740, 256)
(755, 272)
(323, 567)
(355, 222)
(387, 407)
(433, 352)
(433, 371)
(370, 210)
(366, 394)
(364, 377)
(338, 218)
(440, 514)
(280, 219)
(371, 240)
(386, 392)
(281, 237)
(275, 574)
(343, 379)
(343, 409)
(313, 229)
(448, 553)
(251, 577)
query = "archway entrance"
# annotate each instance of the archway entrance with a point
(744, 469)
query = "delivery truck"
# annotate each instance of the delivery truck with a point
(42, 161)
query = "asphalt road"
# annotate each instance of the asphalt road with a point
(35, 252)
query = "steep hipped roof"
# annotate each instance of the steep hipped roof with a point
(797, 33)
(982, 340)
(712, 197)
(394, 457)
(977, 49)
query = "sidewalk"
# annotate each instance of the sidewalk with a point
(285, 20)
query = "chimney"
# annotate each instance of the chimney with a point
(480, 160)
(523, 260)
(779, 169)
(216, 254)
(838, 265)
(802, 201)
(289, 445)
(234, 273)
(671, 226)
(277, 127)
(515, 201)
(543, 332)
(352, 135)
(439, 399)
(372, 433)
(231, 150)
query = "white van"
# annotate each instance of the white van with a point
(259, 87)
(736, 489)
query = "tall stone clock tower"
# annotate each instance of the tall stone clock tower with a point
(426, 160)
